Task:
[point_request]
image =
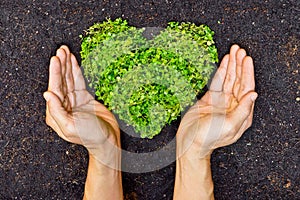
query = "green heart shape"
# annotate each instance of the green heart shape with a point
(147, 83)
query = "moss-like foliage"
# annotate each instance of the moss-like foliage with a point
(148, 82)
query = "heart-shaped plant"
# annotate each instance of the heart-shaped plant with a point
(148, 82)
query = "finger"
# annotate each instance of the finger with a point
(79, 82)
(79, 98)
(60, 119)
(239, 120)
(52, 123)
(247, 78)
(231, 70)
(58, 114)
(241, 54)
(245, 126)
(218, 100)
(69, 74)
(243, 111)
(55, 84)
(61, 54)
(218, 80)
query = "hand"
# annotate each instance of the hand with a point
(73, 113)
(224, 112)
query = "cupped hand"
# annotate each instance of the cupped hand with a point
(223, 114)
(73, 112)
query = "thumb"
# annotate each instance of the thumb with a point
(52, 99)
(245, 107)
(56, 109)
(47, 96)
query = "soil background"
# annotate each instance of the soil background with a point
(36, 164)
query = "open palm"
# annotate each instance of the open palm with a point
(72, 112)
(222, 115)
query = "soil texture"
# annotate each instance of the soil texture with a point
(36, 164)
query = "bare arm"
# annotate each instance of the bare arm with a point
(193, 179)
(102, 182)
(218, 119)
(77, 118)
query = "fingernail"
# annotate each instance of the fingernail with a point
(46, 96)
(254, 97)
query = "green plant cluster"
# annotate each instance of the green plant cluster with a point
(148, 82)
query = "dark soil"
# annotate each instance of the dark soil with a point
(36, 164)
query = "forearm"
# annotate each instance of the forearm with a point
(104, 179)
(102, 182)
(193, 179)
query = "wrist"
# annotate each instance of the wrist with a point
(103, 182)
(191, 165)
(106, 150)
(107, 156)
(101, 168)
(193, 178)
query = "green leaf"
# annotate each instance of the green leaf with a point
(147, 83)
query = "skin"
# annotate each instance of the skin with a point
(69, 109)
(218, 119)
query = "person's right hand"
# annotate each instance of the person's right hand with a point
(225, 111)
(74, 114)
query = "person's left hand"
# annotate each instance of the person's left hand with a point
(225, 112)
(73, 112)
